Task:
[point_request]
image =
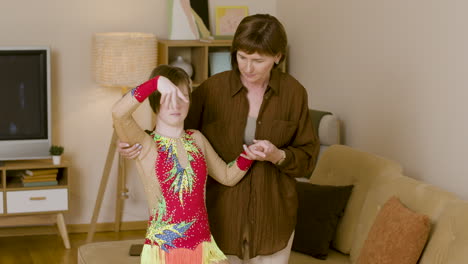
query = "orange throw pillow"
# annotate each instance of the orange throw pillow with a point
(398, 235)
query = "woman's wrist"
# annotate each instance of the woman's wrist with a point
(282, 157)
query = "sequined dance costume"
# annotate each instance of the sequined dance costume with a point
(178, 229)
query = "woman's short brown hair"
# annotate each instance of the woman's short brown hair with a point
(176, 75)
(261, 33)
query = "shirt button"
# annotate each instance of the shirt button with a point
(259, 122)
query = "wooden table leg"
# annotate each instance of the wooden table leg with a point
(63, 230)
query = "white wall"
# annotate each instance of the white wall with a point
(81, 117)
(396, 74)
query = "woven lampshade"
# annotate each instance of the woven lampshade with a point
(123, 59)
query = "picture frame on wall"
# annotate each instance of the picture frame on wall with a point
(227, 19)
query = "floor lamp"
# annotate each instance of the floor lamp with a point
(121, 60)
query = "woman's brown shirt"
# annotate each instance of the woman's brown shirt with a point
(264, 202)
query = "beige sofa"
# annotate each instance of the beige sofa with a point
(375, 180)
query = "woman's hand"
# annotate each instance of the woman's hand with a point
(264, 150)
(170, 92)
(253, 152)
(127, 151)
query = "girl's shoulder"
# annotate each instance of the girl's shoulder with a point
(192, 131)
(197, 136)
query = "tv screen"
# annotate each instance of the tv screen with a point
(24, 102)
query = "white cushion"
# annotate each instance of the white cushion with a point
(329, 130)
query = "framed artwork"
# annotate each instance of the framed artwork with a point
(228, 18)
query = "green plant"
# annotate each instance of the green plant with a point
(56, 150)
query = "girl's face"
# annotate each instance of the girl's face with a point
(175, 117)
(255, 68)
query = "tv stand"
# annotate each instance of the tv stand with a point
(29, 206)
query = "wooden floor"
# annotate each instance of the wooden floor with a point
(49, 249)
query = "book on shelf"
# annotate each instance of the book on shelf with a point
(37, 184)
(39, 177)
(50, 177)
(36, 172)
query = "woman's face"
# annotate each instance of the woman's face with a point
(255, 67)
(175, 117)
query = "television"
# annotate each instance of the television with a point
(25, 107)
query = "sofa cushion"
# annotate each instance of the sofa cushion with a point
(329, 130)
(398, 235)
(320, 208)
(342, 165)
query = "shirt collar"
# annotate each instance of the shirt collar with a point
(236, 84)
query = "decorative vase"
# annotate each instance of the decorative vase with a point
(181, 63)
(56, 160)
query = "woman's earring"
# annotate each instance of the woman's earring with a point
(276, 62)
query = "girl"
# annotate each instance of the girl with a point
(173, 166)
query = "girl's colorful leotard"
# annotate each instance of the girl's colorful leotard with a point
(178, 229)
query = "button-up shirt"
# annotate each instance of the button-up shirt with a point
(264, 202)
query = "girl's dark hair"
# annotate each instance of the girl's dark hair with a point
(261, 33)
(176, 75)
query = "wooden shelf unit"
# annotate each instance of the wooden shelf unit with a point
(195, 52)
(22, 206)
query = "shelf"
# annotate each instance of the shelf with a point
(10, 177)
(196, 43)
(36, 205)
(14, 170)
(31, 164)
(195, 52)
(15, 184)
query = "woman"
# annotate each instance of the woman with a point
(173, 167)
(254, 220)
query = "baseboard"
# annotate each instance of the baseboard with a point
(72, 228)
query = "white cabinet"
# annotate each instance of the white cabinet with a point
(37, 201)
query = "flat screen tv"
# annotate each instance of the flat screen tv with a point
(25, 108)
